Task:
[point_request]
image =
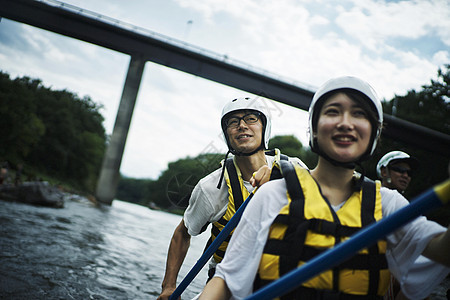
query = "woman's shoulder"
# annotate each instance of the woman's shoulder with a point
(274, 186)
(271, 195)
(266, 204)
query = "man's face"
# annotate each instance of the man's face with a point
(244, 131)
(400, 174)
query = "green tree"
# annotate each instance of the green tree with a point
(54, 133)
(429, 107)
(174, 186)
(73, 146)
(291, 146)
(20, 127)
(133, 190)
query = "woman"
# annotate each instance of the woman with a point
(322, 207)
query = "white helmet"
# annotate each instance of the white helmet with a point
(395, 156)
(346, 82)
(247, 104)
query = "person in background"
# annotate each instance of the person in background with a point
(395, 170)
(294, 219)
(246, 129)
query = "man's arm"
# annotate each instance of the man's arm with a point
(178, 248)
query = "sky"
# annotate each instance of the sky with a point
(396, 46)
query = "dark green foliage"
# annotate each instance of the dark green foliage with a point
(429, 107)
(291, 146)
(133, 190)
(55, 133)
(173, 187)
(20, 127)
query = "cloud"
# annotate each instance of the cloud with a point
(441, 57)
(311, 44)
(374, 22)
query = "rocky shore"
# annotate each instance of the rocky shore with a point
(39, 193)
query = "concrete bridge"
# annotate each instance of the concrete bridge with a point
(143, 45)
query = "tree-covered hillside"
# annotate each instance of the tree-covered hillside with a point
(54, 134)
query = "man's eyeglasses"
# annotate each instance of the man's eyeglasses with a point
(249, 118)
(401, 170)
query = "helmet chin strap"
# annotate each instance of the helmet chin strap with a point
(237, 153)
(223, 170)
(347, 165)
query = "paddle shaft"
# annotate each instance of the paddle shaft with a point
(224, 233)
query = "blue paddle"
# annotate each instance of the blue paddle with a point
(432, 198)
(224, 233)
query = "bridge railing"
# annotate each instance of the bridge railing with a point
(175, 42)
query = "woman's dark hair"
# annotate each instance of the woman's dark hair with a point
(362, 100)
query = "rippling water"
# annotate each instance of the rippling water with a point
(85, 252)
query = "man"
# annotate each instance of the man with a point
(246, 129)
(395, 169)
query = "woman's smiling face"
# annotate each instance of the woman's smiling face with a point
(343, 128)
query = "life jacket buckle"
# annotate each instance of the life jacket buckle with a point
(324, 227)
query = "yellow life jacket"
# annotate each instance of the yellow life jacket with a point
(308, 226)
(237, 194)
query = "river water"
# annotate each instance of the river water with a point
(85, 252)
